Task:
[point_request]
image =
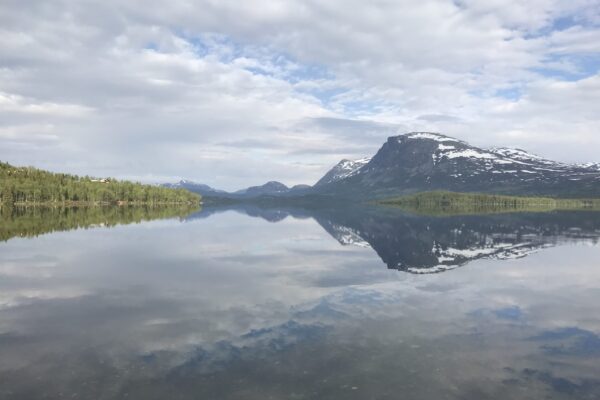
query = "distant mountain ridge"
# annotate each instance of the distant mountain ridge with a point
(195, 187)
(271, 188)
(427, 161)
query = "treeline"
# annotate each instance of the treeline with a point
(34, 221)
(448, 203)
(27, 185)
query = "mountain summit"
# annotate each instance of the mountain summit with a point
(269, 188)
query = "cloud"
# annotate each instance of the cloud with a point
(236, 94)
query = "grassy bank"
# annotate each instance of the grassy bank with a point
(451, 203)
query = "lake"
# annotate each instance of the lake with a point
(251, 302)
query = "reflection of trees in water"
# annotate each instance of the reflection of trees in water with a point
(34, 221)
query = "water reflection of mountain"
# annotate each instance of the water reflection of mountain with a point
(271, 214)
(424, 244)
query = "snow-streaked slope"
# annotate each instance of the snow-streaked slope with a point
(430, 136)
(521, 155)
(425, 161)
(342, 170)
(594, 166)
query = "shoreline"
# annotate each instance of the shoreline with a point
(460, 203)
(55, 204)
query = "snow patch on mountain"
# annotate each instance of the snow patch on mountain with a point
(469, 153)
(428, 135)
(343, 169)
(348, 168)
(522, 155)
(452, 152)
(520, 160)
(590, 165)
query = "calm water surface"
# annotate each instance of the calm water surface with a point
(252, 303)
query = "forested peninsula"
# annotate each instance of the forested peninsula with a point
(452, 203)
(23, 186)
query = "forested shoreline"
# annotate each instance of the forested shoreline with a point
(447, 203)
(22, 186)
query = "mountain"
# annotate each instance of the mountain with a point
(425, 161)
(269, 188)
(300, 188)
(590, 165)
(199, 188)
(342, 170)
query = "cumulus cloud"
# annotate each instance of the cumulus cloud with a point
(234, 94)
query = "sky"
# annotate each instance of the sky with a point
(233, 93)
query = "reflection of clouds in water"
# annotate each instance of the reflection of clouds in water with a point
(358, 346)
(152, 307)
(26, 277)
(576, 388)
(511, 313)
(570, 341)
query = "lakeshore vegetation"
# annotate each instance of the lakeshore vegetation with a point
(24, 186)
(452, 203)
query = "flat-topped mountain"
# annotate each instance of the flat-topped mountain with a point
(424, 161)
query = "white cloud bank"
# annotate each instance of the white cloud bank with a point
(236, 93)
